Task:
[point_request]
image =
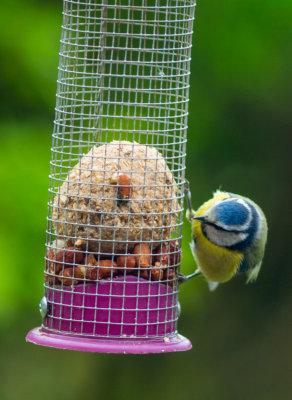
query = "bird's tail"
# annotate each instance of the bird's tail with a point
(253, 273)
(212, 286)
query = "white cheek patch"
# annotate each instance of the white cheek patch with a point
(224, 238)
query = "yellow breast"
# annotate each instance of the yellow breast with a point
(217, 263)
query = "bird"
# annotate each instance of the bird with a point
(229, 234)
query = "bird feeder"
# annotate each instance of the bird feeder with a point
(116, 193)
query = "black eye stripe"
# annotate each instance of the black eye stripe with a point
(219, 228)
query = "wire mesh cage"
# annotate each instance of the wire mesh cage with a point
(117, 180)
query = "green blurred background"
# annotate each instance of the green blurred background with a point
(239, 125)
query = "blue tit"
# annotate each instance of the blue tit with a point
(229, 236)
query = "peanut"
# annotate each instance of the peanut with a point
(90, 259)
(107, 267)
(69, 256)
(50, 279)
(66, 277)
(100, 270)
(89, 273)
(169, 276)
(80, 244)
(123, 183)
(144, 273)
(51, 265)
(167, 253)
(156, 274)
(126, 261)
(142, 254)
(80, 271)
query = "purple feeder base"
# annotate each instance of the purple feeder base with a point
(123, 316)
(122, 346)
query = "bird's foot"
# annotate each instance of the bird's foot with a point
(183, 278)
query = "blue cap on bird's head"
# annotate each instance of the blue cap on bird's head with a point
(232, 212)
(229, 214)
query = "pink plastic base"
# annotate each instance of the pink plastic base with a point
(127, 315)
(124, 307)
(126, 346)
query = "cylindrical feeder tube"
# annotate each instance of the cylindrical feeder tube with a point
(117, 178)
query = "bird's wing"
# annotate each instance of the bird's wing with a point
(252, 274)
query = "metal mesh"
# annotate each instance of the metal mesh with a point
(117, 168)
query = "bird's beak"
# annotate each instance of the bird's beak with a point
(201, 218)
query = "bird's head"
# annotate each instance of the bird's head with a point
(230, 223)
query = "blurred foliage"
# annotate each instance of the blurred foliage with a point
(238, 139)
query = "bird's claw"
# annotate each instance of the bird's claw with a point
(183, 278)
